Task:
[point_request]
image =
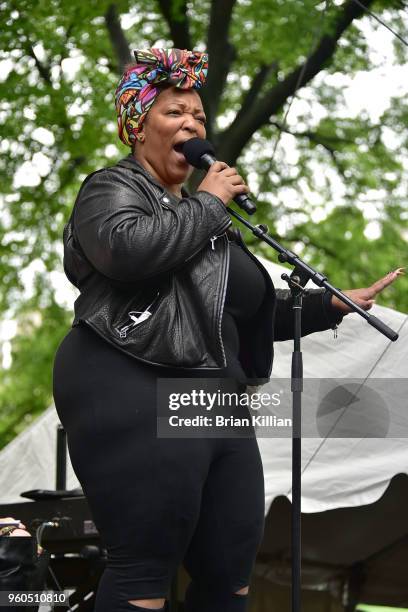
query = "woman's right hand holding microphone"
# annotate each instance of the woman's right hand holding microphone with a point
(224, 182)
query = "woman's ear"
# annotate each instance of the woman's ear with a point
(140, 138)
(141, 134)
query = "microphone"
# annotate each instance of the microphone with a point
(200, 154)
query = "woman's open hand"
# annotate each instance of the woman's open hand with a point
(365, 297)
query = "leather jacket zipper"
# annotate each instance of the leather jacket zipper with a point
(223, 286)
(137, 317)
(212, 240)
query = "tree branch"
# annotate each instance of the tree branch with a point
(221, 55)
(117, 37)
(178, 26)
(256, 86)
(315, 136)
(318, 139)
(64, 52)
(240, 131)
(44, 70)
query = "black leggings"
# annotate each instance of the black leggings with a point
(157, 502)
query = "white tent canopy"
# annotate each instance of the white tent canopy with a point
(337, 471)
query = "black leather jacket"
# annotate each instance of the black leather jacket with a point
(152, 272)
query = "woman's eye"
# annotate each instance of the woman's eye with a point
(174, 112)
(201, 120)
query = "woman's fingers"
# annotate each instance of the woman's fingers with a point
(229, 171)
(233, 176)
(364, 304)
(218, 166)
(386, 280)
(358, 296)
(235, 179)
(364, 297)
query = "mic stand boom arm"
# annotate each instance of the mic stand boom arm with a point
(306, 271)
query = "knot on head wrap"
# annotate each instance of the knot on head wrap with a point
(138, 87)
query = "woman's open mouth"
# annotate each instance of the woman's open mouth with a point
(178, 149)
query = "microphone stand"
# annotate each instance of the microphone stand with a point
(300, 275)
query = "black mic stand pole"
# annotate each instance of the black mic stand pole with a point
(299, 277)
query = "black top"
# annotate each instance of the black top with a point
(245, 293)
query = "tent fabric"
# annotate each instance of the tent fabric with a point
(341, 472)
(337, 471)
(355, 554)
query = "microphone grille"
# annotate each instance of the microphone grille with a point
(195, 148)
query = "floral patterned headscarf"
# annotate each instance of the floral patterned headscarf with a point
(137, 89)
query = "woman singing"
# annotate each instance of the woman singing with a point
(168, 290)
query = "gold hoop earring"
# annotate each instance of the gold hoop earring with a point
(140, 137)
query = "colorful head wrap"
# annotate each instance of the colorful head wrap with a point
(137, 89)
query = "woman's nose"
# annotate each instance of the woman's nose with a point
(190, 124)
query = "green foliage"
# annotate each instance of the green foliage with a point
(330, 179)
(25, 388)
